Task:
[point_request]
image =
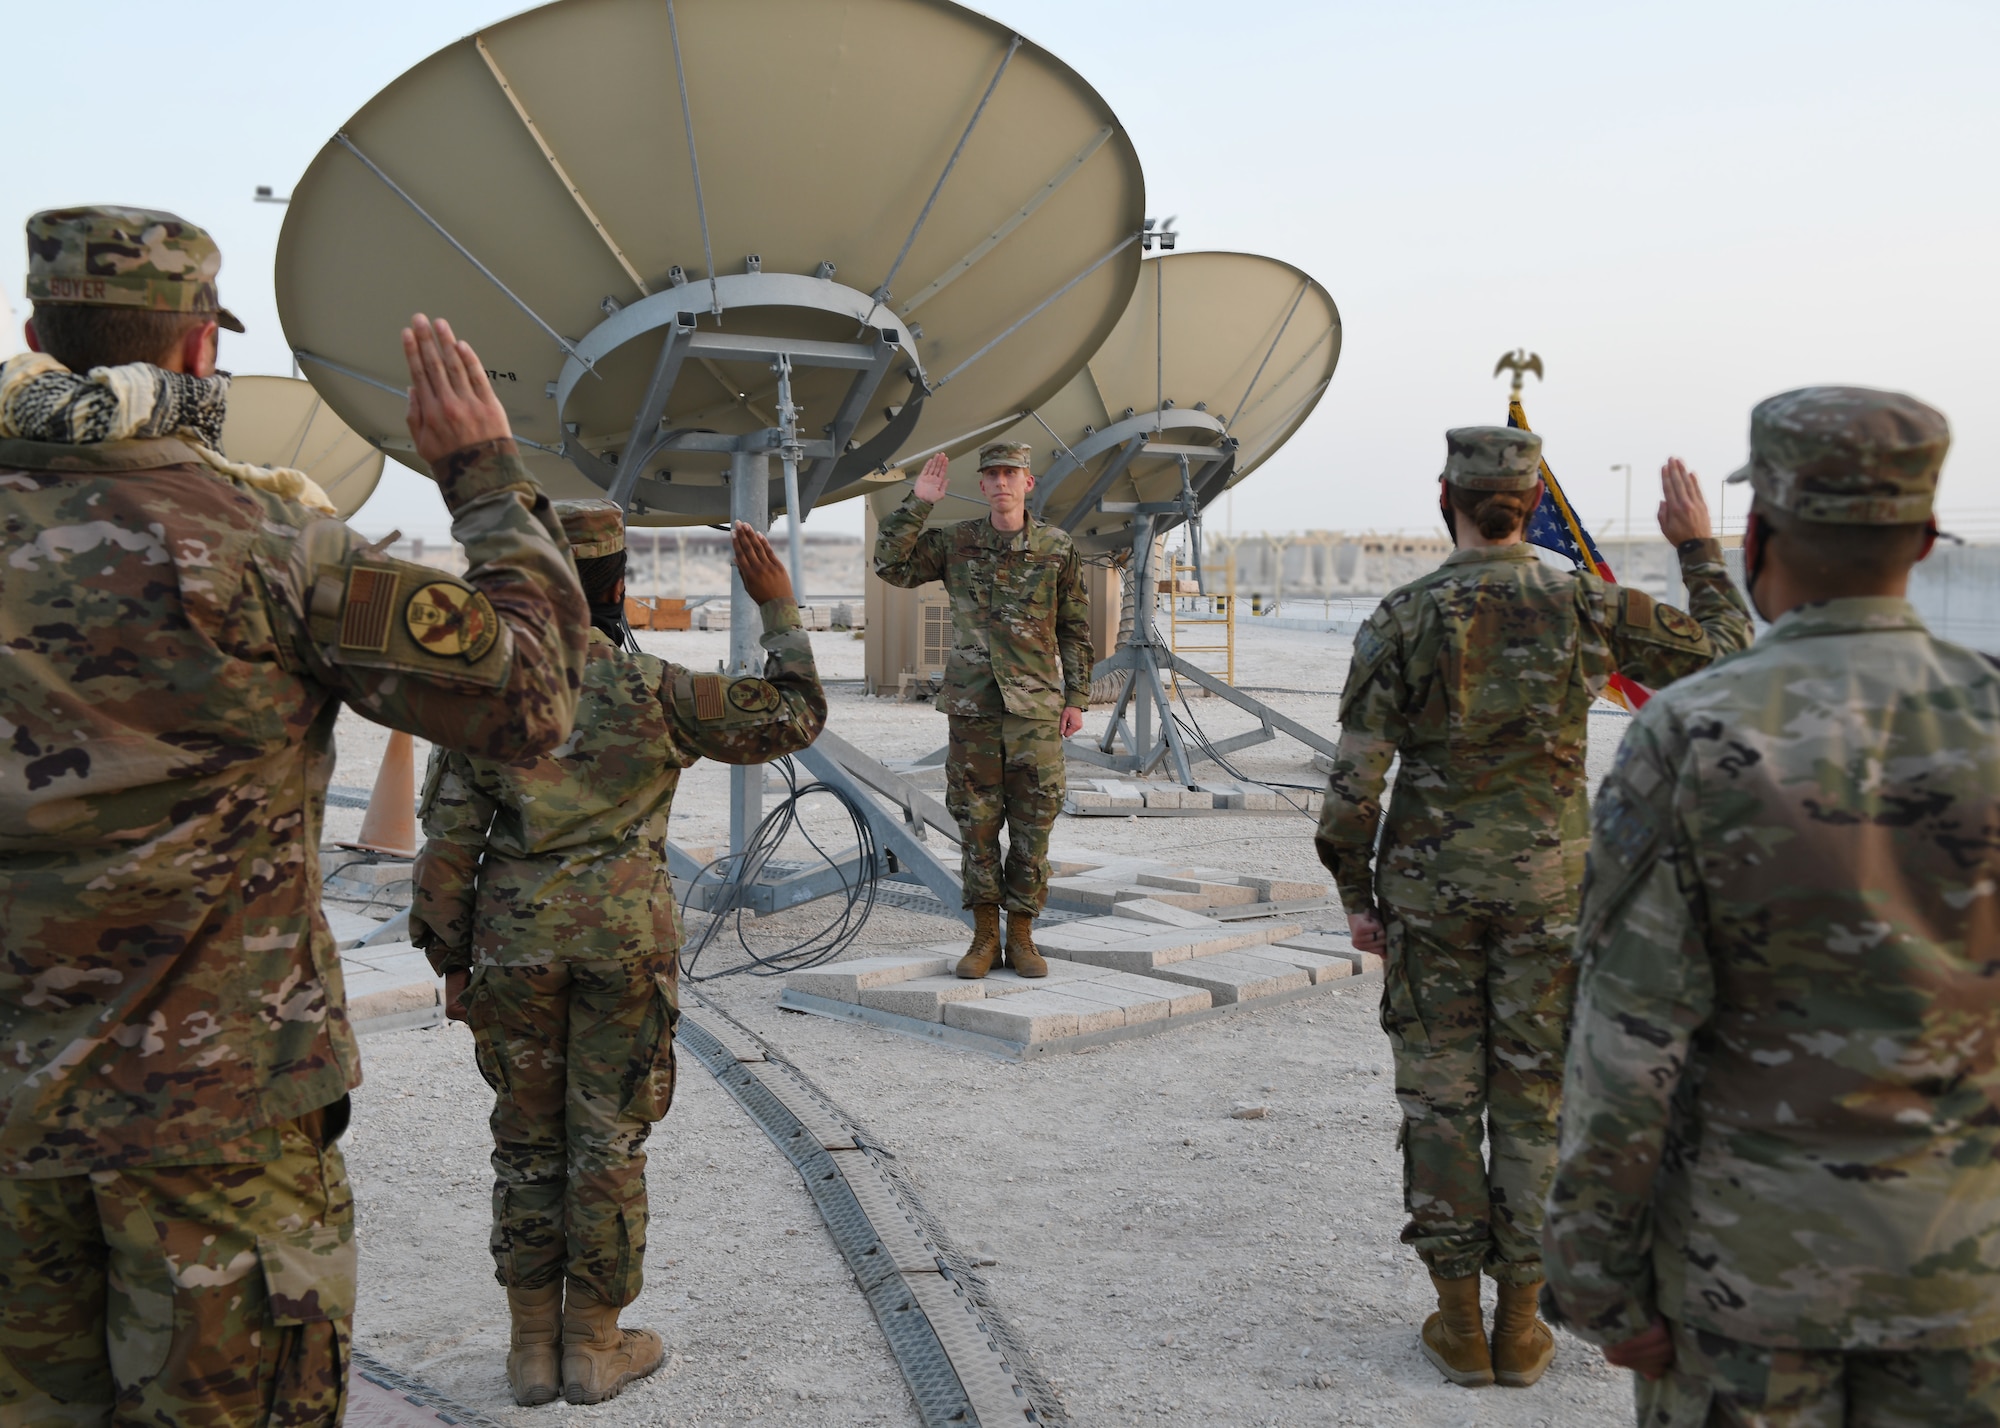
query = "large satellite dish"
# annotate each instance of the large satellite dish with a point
(926, 222)
(1217, 360)
(282, 421)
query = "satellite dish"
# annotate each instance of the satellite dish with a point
(1249, 346)
(928, 221)
(282, 421)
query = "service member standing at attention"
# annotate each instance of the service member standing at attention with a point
(1481, 675)
(1778, 1197)
(1018, 609)
(176, 1232)
(544, 881)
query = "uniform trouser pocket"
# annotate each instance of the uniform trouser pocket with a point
(653, 1053)
(212, 1294)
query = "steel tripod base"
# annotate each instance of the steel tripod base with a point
(1145, 694)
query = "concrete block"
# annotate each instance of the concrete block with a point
(1029, 1017)
(1152, 910)
(1281, 890)
(349, 928)
(1194, 798)
(1138, 1007)
(1235, 977)
(846, 981)
(1006, 982)
(1334, 944)
(1163, 797)
(923, 998)
(1204, 891)
(1180, 998)
(1085, 799)
(1082, 893)
(1319, 965)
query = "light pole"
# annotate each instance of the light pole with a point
(265, 194)
(1626, 467)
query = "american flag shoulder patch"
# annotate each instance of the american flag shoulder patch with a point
(366, 608)
(707, 696)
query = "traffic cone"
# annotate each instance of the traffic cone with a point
(390, 824)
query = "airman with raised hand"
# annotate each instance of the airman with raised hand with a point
(176, 1231)
(1015, 686)
(543, 898)
(1481, 676)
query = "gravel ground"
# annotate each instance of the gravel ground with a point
(1165, 1262)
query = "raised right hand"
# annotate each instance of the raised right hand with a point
(452, 405)
(930, 480)
(764, 575)
(1683, 508)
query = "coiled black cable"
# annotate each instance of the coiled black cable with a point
(735, 875)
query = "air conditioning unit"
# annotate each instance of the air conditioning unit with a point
(934, 620)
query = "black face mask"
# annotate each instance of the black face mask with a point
(611, 620)
(1753, 569)
(1450, 517)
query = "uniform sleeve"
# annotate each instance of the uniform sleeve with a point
(750, 719)
(1372, 725)
(1657, 644)
(905, 553)
(1073, 633)
(1645, 987)
(456, 816)
(489, 663)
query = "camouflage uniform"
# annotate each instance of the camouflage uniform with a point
(1017, 607)
(1481, 676)
(1779, 1132)
(547, 878)
(176, 1237)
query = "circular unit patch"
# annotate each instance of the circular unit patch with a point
(1678, 622)
(447, 619)
(754, 696)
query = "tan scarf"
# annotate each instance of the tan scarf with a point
(42, 400)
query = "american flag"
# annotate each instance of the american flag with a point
(1554, 525)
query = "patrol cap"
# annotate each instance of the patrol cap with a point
(1492, 458)
(1848, 456)
(124, 257)
(594, 528)
(1006, 453)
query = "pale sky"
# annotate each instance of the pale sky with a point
(1682, 208)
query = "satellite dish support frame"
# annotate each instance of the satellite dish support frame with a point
(870, 358)
(1147, 659)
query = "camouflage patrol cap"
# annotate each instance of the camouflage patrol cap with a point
(594, 528)
(1006, 453)
(124, 257)
(1492, 458)
(1846, 455)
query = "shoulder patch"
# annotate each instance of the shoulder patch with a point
(1369, 645)
(1625, 826)
(365, 608)
(707, 696)
(447, 619)
(754, 696)
(1637, 608)
(1678, 623)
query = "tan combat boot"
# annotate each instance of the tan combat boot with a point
(534, 1347)
(985, 949)
(599, 1358)
(1522, 1343)
(1021, 953)
(1454, 1338)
